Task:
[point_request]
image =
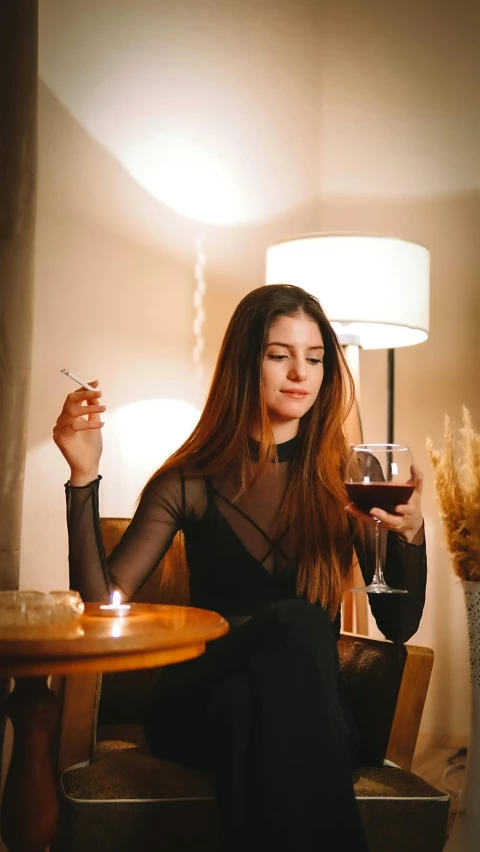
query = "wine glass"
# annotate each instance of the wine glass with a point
(380, 476)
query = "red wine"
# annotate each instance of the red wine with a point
(382, 495)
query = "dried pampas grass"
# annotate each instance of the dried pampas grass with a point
(456, 471)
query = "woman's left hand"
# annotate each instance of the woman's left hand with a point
(407, 521)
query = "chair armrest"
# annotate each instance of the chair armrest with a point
(410, 704)
(78, 695)
(387, 685)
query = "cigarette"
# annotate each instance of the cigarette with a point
(79, 381)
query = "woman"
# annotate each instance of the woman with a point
(257, 490)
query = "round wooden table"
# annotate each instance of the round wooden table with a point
(151, 635)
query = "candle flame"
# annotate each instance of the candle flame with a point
(116, 599)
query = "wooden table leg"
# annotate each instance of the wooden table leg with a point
(30, 800)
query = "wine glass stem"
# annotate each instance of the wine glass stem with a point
(378, 576)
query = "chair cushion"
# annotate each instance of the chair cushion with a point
(128, 797)
(131, 773)
(113, 737)
(124, 770)
(400, 811)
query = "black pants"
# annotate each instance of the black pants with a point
(264, 708)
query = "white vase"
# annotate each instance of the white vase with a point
(465, 836)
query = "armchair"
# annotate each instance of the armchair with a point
(117, 798)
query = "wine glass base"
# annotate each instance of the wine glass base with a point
(380, 589)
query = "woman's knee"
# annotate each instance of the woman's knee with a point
(300, 617)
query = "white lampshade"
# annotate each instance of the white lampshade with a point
(374, 290)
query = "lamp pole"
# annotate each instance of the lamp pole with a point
(353, 423)
(390, 395)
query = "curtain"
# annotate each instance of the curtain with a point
(18, 164)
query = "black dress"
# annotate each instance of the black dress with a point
(264, 707)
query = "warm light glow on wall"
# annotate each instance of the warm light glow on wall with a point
(149, 431)
(189, 179)
(138, 438)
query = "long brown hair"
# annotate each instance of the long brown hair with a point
(315, 498)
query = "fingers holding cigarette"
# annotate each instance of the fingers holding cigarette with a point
(71, 410)
(77, 432)
(82, 403)
(88, 395)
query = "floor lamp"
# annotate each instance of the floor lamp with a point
(375, 291)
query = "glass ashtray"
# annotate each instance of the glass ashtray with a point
(18, 608)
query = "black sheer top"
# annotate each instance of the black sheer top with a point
(239, 560)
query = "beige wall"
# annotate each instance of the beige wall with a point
(347, 116)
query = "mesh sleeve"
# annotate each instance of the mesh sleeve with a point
(158, 517)
(397, 616)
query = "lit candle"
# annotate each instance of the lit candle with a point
(115, 608)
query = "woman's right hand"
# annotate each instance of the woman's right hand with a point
(79, 439)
